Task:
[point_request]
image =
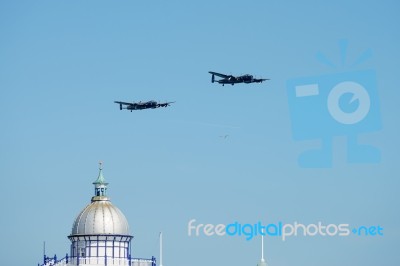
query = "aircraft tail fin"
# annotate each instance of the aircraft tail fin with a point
(212, 78)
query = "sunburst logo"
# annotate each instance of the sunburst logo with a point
(339, 104)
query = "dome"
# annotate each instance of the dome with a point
(100, 217)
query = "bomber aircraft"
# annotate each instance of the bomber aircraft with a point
(141, 105)
(229, 79)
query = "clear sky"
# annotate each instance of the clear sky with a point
(63, 63)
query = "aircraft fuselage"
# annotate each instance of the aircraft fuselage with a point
(233, 80)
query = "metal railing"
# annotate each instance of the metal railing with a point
(50, 261)
(68, 261)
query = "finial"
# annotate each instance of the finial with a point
(101, 165)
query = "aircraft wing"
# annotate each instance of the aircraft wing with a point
(220, 75)
(124, 103)
(259, 80)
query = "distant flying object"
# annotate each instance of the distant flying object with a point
(141, 105)
(229, 79)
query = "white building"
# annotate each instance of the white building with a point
(100, 235)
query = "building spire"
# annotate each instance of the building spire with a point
(161, 249)
(100, 179)
(262, 262)
(262, 248)
(100, 185)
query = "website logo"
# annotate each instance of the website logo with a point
(338, 104)
(280, 229)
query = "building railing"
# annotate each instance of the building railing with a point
(143, 262)
(68, 261)
(50, 261)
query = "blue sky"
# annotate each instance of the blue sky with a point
(63, 63)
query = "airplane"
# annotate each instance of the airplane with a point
(142, 105)
(229, 79)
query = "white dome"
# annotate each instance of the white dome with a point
(100, 217)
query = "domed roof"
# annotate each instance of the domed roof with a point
(100, 216)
